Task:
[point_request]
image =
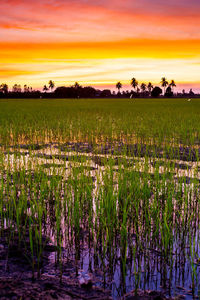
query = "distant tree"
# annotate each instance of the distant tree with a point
(45, 88)
(4, 88)
(169, 92)
(164, 83)
(51, 85)
(183, 92)
(78, 89)
(134, 83)
(156, 92)
(119, 86)
(88, 92)
(138, 90)
(172, 84)
(25, 88)
(77, 85)
(191, 93)
(105, 93)
(143, 87)
(149, 87)
(64, 92)
(16, 88)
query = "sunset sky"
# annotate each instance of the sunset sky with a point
(100, 42)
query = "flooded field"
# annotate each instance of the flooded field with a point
(103, 198)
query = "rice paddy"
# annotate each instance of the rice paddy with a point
(111, 185)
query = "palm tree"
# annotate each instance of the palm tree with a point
(16, 88)
(138, 90)
(149, 87)
(164, 83)
(4, 88)
(25, 88)
(76, 85)
(143, 87)
(51, 85)
(172, 84)
(134, 83)
(119, 86)
(45, 88)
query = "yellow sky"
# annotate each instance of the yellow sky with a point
(99, 42)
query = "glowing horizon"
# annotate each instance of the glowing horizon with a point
(99, 43)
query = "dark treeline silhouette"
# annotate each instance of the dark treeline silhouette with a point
(143, 90)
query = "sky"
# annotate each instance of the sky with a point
(100, 42)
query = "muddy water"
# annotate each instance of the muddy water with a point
(52, 156)
(148, 268)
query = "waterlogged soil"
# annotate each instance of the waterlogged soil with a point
(93, 162)
(184, 153)
(16, 280)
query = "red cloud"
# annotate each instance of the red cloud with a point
(67, 20)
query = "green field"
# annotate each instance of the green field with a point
(102, 120)
(112, 184)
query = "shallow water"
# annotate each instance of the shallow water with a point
(142, 264)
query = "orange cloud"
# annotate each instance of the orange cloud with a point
(97, 20)
(21, 52)
(43, 39)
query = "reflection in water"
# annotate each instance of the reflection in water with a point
(132, 222)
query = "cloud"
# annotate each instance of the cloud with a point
(65, 20)
(102, 72)
(72, 38)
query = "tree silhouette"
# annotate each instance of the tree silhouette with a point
(119, 86)
(143, 87)
(4, 88)
(25, 88)
(16, 88)
(164, 83)
(172, 84)
(77, 85)
(105, 93)
(134, 83)
(45, 88)
(138, 90)
(169, 92)
(149, 87)
(191, 93)
(51, 85)
(78, 91)
(156, 92)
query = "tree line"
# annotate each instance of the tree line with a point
(49, 90)
(149, 89)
